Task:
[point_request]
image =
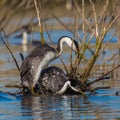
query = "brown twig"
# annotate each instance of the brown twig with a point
(97, 80)
(13, 86)
(104, 87)
(11, 53)
(12, 94)
(110, 71)
(95, 17)
(103, 76)
(39, 20)
(63, 65)
(48, 33)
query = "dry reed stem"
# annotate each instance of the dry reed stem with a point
(10, 51)
(83, 16)
(95, 17)
(99, 41)
(78, 37)
(39, 20)
(111, 23)
(65, 26)
(52, 42)
(64, 65)
(104, 76)
(104, 87)
(107, 43)
(104, 14)
(103, 64)
(48, 33)
(72, 62)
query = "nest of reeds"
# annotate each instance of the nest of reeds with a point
(96, 27)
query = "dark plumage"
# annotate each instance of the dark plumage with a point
(52, 79)
(32, 61)
(40, 57)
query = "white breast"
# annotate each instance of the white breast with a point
(45, 61)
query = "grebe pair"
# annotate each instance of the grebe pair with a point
(52, 78)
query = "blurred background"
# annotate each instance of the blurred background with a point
(19, 13)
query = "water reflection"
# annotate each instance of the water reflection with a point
(69, 107)
(103, 105)
(51, 107)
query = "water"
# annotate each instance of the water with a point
(103, 105)
(56, 34)
(60, 107)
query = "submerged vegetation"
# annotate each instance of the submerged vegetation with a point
(95, 24)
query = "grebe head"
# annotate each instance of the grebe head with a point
(69, 41)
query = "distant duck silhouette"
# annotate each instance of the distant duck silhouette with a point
(26, 42)
(24, 31)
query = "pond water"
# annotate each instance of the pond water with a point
(103, 105)
(98, 107)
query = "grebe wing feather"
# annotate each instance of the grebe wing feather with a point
(52, 79)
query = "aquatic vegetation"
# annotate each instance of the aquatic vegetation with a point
(94, 25)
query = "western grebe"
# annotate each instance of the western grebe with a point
(40, 57)
(53, 81)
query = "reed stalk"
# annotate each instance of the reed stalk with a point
(99, 33)
(38, 11)
(99, 41)
(10, 51)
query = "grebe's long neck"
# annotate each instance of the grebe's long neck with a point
(63, 40)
